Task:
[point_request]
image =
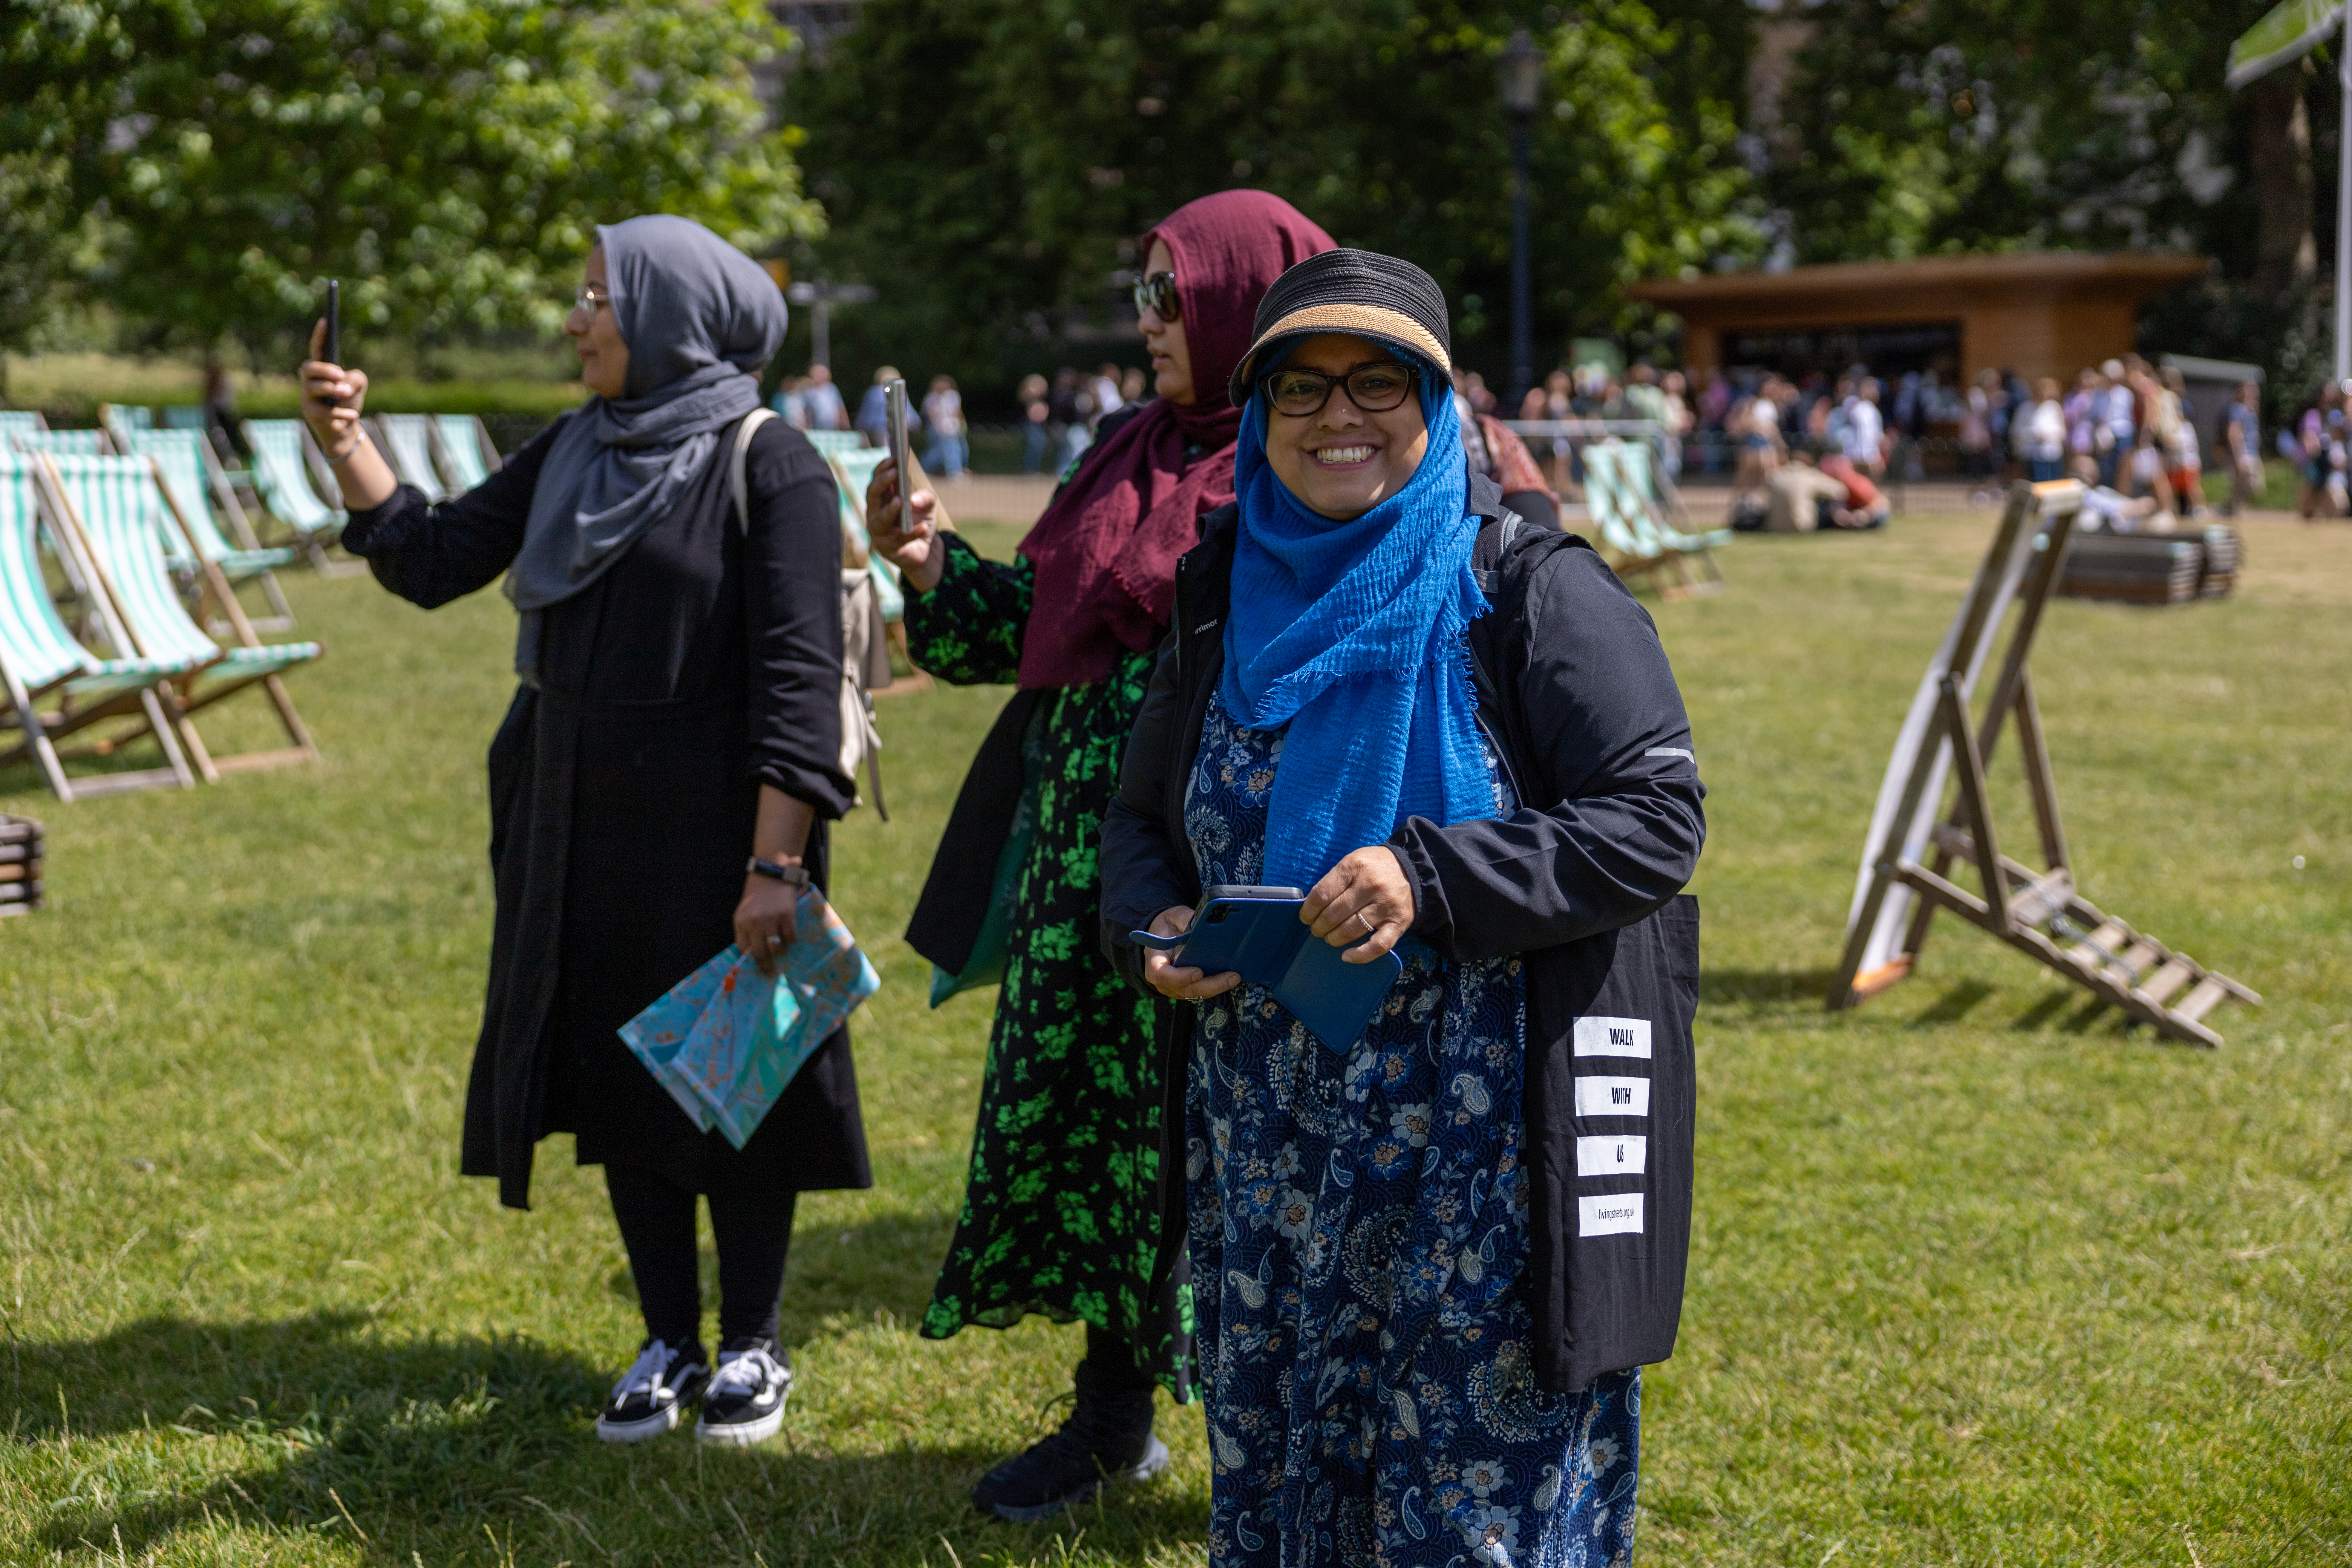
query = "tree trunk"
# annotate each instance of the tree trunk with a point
(2285, 253)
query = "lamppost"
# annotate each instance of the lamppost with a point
(1519, 75)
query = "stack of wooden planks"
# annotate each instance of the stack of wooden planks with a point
(20, 864)
(2137, 568)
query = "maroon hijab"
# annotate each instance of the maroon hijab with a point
(1105, 550)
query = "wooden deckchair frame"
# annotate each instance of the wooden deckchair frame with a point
(2041, 913)
(183, 698)
(42, 731)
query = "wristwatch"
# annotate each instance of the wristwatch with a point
(792, 875)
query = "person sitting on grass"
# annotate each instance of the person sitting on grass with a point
(1369, 1286)
(1859, 503)
(679, 707)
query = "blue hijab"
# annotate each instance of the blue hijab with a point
(1354, 635)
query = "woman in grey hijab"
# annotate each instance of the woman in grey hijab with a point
(679, 710)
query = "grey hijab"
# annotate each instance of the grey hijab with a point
(701, 319)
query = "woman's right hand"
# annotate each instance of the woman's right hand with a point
(917, 549)
(1181, 984)
(332, 398)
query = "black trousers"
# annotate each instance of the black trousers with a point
(753, 1222)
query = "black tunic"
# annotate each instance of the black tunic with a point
(624, 789)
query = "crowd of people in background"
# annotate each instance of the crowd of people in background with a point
(2123, 426)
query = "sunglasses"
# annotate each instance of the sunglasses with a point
(1375, 388)
(1157, 294)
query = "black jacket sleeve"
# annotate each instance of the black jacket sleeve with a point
(1611, 823)
(1147, 866)
(432, 554)
(791, 618)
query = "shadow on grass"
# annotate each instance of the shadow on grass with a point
(1956, 1002)
(391, 1448)
(1753, 987)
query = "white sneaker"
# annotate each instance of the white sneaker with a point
(744, 1402)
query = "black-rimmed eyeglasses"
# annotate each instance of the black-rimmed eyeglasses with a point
(1375, 388)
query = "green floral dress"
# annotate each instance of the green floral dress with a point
(1061, 1209)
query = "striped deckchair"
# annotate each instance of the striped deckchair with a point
(408, 440)
(1625, 544)
(1641, 484)
(112, 504)
(15, 421)
(185, 417)
(281, 473)
(122, 418)
(830, 442)
(87, 443)
(192, 475)
(40, 662)
(467, 457)
(853, 471)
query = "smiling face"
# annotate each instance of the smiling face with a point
(1172, 359)
(596, 334)
(1340, 461)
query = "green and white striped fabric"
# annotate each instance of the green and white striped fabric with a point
(461, 450)
(180, 459)
(184, 416)
(34, 642)
(853, 469)
(124, 418)
(832, 443)
(1621, 523)
(282, 475)
(408, 442)
(116, 503)
(87, 443)
(1636, 460)
(15, 422)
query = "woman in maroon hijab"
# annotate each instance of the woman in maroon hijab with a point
(1061, 1213)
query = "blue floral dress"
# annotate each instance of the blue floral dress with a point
(1357, 1228)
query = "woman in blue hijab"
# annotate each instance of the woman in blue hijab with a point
(1386, 1382)
(662, 782)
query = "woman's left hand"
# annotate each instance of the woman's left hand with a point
(767, 919)
(1364, 900)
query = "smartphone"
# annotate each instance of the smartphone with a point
(896, 397)
(334, 321)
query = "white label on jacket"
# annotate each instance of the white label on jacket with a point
(1619, 1214)
(1612, 1097)
(1613, 1038)
(1621, 1155)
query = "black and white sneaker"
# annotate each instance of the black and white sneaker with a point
(653, 1392)
(745, 1400)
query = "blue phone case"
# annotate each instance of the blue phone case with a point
(1257, 933)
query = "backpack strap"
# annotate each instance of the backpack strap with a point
(741, 486)
(1494, 545)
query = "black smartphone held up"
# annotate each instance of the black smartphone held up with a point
(895, 397)
(334, 321)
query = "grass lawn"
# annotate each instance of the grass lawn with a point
(1979, 1276)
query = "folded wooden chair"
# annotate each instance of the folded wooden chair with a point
(408, 440)
(112, 505)
(41, 663)
(464, 450)
(282, 475)
(193, 479)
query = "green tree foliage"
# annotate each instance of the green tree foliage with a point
(36, 236)
(447, 158)
(1948, 126)
(986, 162)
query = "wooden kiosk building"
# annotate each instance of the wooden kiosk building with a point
(2048, 313)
